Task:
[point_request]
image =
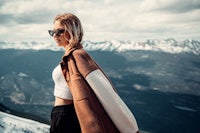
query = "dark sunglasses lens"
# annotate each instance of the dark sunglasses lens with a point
(51, 32)
(59, 32)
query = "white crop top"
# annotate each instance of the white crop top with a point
(61, 88)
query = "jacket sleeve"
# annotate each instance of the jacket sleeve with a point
(122, 117)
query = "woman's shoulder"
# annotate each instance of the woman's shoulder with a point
(79, 51)
(84, 62)
(81, 54)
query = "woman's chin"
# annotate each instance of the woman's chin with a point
(58, 44)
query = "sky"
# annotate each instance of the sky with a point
(136, 20)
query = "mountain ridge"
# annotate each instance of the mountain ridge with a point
(169, 45)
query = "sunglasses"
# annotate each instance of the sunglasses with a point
(56, 32)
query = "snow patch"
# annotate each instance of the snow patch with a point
(186, 108)
(138, 87)
(13, 124)
(22, 75)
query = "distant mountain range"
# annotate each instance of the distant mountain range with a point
(157, 79)
(166, 45)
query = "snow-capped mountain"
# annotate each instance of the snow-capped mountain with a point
(166, 45)
(13, 124)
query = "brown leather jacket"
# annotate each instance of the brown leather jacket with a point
(76, 65)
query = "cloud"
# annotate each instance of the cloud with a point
(6, 19)
(173, 6)
(102, 20)
(175, 18)
(25, 12)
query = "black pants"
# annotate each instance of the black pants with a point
(64, 120)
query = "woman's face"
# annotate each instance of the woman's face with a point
(62, 38)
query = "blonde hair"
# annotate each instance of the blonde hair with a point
(73, 26)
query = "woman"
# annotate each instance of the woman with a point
(77, 108)
(63, 116)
